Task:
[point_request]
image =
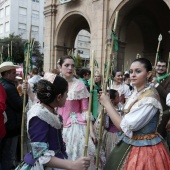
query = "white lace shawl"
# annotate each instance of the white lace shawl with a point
(45, 115)
(77, 90)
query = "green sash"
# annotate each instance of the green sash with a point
(117, 156)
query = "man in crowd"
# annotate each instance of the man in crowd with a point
(14, 105)
(84, 77)
(162, 84)
(2, 113)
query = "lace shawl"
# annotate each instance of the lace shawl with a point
(45, 115)
(77, 90)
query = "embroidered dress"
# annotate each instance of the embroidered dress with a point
(140, 147)
(44, 130)
(74, 115)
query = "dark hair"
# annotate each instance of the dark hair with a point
(46, 91)
(126, 76)
(35, 70)
(163, 61)
(112, 93)
(114, 72)
(63, 58)
(3, 73)
(84, 72)
(147, 64)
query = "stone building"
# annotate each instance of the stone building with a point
(16, 16)
(139, 24)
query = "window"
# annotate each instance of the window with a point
(35, 1)
(35, 28)
(7, 11)
(1, 13)
(22, 26)
(1, 29)
(7, 27)
(35, 14)
(22, 11)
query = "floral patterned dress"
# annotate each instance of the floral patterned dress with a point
(74, 115)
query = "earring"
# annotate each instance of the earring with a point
(61, 73)
(147, 82)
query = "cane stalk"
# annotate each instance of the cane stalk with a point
(168, 64)
(11, 50)
(104, 89)
(89, 106)
(156, 58)
(157, 51)
(24, 98)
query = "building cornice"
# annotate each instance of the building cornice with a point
(50, 10)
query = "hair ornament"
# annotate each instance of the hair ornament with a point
(48, 94)
(48, 88)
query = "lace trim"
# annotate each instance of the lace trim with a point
(78, 90)
(46, 157)
(45, 115)
(85, 116)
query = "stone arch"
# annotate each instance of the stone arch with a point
(144, 21)
(65, 35)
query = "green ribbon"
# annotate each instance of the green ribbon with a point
(162, 77)
(115, 41)
(96, 64)
(94, 103)
(30, 64)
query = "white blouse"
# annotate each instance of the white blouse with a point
(122, 89)
(140, 113)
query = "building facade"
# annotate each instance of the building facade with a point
(16, 16)
(139, 24)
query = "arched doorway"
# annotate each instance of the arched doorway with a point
(139, 26)
(67, 32)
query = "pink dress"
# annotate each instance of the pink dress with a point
(74, 115)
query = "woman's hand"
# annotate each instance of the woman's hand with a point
(104, 99)
(81, 164)
(25, 86)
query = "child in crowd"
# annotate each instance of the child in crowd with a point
(110, 133)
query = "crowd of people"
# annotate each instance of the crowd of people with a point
(136, 132)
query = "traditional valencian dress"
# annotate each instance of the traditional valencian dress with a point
(140, 147)
(44, 129)
(74, 115)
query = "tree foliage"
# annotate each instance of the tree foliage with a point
(18, 45)
(17, 48)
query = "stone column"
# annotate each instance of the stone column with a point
(50, 12)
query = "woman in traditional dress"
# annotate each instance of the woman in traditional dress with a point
(118, 84)
(44, 128)
(140, 147)
(75, 114)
